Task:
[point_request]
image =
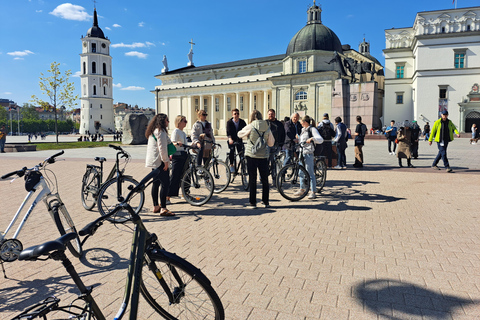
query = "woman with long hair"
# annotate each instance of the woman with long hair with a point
(157, 157)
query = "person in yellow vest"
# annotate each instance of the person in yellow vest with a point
(442, 133)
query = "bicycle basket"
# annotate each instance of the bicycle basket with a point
(31, 180)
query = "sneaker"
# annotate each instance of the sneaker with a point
(299, 192)
(435, 168)
(266, 205)
(391, 153)
(312, 195)
(337, 167)
(449, 170)
(251, 206)
(344, 168)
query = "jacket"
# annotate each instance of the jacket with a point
(197, 130)
(291, 131)
(232, 130)
(340, 138)
(404, 137)
(437, 125)
(309, 148)
(261, 126)
(157, 150)
(278, 131)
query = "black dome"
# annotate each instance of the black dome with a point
(314, 36)
(95, 30)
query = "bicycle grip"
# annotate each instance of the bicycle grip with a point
(115, 147)
(90, 228)
(20, 173)
(52, 158)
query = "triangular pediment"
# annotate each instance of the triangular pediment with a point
(444, 16)
(470, 14)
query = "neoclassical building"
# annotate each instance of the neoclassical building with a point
(317, 74)
(434, 66)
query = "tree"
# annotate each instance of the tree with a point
(58, 89)
(29, 112)
(3, 114)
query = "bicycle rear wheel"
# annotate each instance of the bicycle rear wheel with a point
(65, 225)
(288, 182)
(90, 186)
(244, 174)
(193, 295)
(320, 174)
(197, 186)
(108, 200)
(221, 175)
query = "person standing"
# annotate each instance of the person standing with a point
(474, 133)
(415, 138)
(404, 136)
(391, 134)
(442, 133)
(3, 138)
(426, 131)
(292, 131)
(341, 142)
(257, 158)
(179, 158)
(202, 130)
(157, 157)
(360, 132)
(278, 131)
(327, 131)
(234, 125)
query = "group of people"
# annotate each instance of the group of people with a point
(94, 137)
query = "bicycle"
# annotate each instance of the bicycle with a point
(275, 163)
(320, 172)
(218, 169)
(34, 180)
(173, 287)
(107, 194)
(288, 178)
(197, 183)
(240, 167)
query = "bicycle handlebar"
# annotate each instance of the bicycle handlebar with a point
(52, 158)
(20, 173)
(116, 147)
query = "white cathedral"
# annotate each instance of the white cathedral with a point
(96, 110)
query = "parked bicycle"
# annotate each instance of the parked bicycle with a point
(173, 287)
(288, 179)
(197, 184)
(320, 172)
(35, 180)
(218, 169)
(275, 164)
(108, 193)
(240, 166)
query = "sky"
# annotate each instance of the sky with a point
(35, 33)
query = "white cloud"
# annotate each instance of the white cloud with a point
(18, 58)
(70, 11)
(141, 24)
(118, 85)
(108, 28)
(7, 93)
(20, 53)
(77, 74)
(133, 45)
(38, 11)
(133, 88)
(136, 54)
(116, 26)
(150, 44)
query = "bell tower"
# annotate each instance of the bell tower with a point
(96, 100)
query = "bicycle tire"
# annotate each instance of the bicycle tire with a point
(107, 198)
(90, 187)
(65, 225)
(198, 192)
(320, 174)
(288, 182)
(244, 175)
(199, 302)
(221, 175)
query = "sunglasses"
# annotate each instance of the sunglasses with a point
(204, 114)
(185, 120)
(235, 113)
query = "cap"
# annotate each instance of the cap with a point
(325, 115)
(414, 121)
(445, 112)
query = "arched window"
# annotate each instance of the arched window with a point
(301, 95)
(84, 68)
(104, 69)
(94, 67)
(94, 47)
(104, 91)
(94, 90)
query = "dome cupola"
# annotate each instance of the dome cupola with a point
(95, 31)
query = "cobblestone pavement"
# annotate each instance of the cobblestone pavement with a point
(380, 242)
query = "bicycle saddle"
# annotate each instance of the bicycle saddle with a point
(100, 159)
(34, 252)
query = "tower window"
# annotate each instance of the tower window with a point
(101, 117)
(399, 97)
(91, 106)
(468, 28)
(104, 91)
(104, 69)
(400, 71)
(84, 68)
(94, 67)
(94, 47)
(94, 90)
(100, 106)
(459, 60)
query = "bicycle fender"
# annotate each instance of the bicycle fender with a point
(168, 256)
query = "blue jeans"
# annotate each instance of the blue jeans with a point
(288, 156)
(2, 145)
(309, 164)
(442, 153)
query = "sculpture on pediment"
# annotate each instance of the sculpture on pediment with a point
(165, 64)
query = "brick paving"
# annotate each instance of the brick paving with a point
(378, 243)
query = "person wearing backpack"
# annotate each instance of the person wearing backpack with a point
(258, 136)
(360, 132)
(327, 131)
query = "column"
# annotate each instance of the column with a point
(200, 102)
(225, 111)
(213, 113)
(237, 100)
(250, 103)
(168, 109)
(265, 103)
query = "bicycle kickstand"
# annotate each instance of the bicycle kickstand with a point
(3, 269)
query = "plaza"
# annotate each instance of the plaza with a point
(381, 242)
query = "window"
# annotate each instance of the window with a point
(94, 90)
(468, 28)
(302, 66)
(399, 71)
(301, 95)
(104, 69)
(101, 117)
(217, 104)
(254, 102)
(94, 67)
(84, 68)
(104, 91)
(196, 104)
(442, 93)
(205, 104)
(91, 106)
(399, 97)
(459, 60)
(90, 116)
(94, 47)
(229, 104)
(241, 103)
(100, 106)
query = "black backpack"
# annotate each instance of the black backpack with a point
(326, 131)
(318, 147)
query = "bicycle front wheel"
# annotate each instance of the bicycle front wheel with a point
(288, 182)
(193, 296)
(320, 174)
(221, 175)
(65, 225)
(90, 186)
(108, 198)
(197, 186)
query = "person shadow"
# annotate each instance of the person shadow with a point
(396, 300)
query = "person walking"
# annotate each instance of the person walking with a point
(234, 125)
(309, 137)
(3, 138)
(327, 131)
(259, 136)
(278, 131)
(442, 133)
(179, 158)
(404, 137)
(157, 157)
(474, 134)
(391, 134)
(426, 131)
(415, 138)
(292, 131)
(359, 134)
(341, 142)
(202, 130)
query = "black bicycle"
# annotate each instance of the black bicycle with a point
(173, 287)
(288, 178)
(240, 166)
(320, 172)
(218, 169)
(275, 163)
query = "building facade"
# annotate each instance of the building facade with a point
(317, 74)
(96, 102)
(434, 66)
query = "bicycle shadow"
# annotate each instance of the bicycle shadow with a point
(396, 300)
(102, 259)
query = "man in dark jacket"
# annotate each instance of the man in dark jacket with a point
(293, 128)
(415, 138)
(327, 131)
(278, 130)
(234, 125)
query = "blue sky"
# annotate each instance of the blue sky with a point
(34, 33)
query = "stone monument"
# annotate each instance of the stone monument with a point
(134, 128)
